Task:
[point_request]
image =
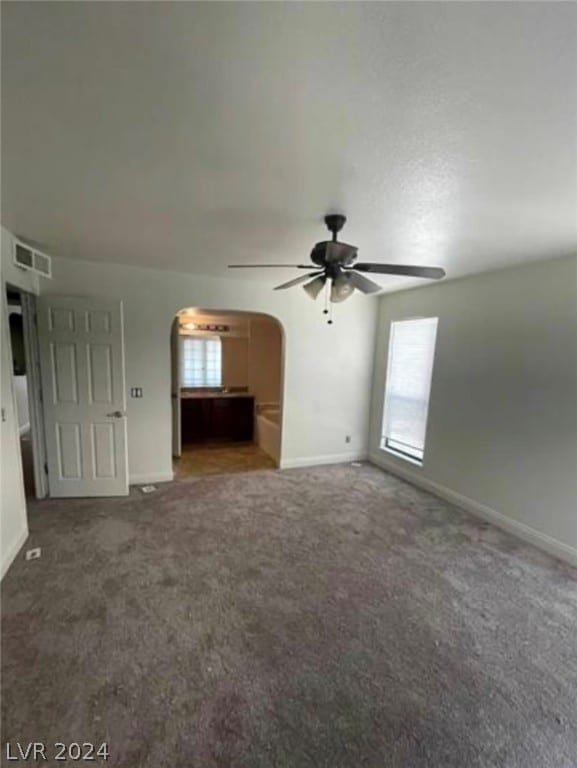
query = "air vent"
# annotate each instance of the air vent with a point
(23, 256)
(29, 258)
(42, 264)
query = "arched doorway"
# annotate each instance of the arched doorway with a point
(227, 383)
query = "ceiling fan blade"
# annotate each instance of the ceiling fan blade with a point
(268, 266)
(433, 273)
(297, 280)
(315, 286)
(363, 283)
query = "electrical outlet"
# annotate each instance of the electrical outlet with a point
(136, 392)
(33, 554)
(347, 439)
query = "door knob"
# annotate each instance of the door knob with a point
(115, 414)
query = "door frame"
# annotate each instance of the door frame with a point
(175, 404)
(34, 387)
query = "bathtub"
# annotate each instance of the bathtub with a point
(268, 417)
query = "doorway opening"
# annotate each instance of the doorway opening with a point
(227, 383)
(26, 382)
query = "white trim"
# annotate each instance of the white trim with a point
(313, 461)
(15, 548)
(35, 405)
(24, 429)
(541, 540)
(151, 477)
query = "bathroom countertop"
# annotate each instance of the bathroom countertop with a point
(212, 395)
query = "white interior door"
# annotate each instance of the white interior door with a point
(175, 390)
(82, 370)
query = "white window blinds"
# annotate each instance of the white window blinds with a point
(200, 362)
(409, 372)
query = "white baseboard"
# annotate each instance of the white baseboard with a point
(13, 550)
(152, 477)
(313, 461)
(515, 527)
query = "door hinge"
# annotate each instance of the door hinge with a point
(45, 468)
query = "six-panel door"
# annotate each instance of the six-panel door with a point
(82, 367)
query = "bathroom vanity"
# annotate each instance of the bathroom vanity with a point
(226, 416)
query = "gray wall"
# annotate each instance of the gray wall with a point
(502, 429)
(316, 420)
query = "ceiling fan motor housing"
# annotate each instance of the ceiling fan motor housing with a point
(331, 252)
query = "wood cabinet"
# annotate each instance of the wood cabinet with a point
(217, 418)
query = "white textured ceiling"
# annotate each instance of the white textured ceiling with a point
(193, 135)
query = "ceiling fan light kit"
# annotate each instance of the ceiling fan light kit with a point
(333, 265)
(341, 288)
(315, 286)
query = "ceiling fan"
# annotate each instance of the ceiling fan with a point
(334, 264)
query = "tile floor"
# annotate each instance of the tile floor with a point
(219, 458)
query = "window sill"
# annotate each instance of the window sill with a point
(403, 456)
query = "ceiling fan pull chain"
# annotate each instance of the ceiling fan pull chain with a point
(327, 304)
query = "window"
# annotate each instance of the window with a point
(409, 371)
(200, 362)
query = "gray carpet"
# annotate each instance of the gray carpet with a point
(331, 616)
